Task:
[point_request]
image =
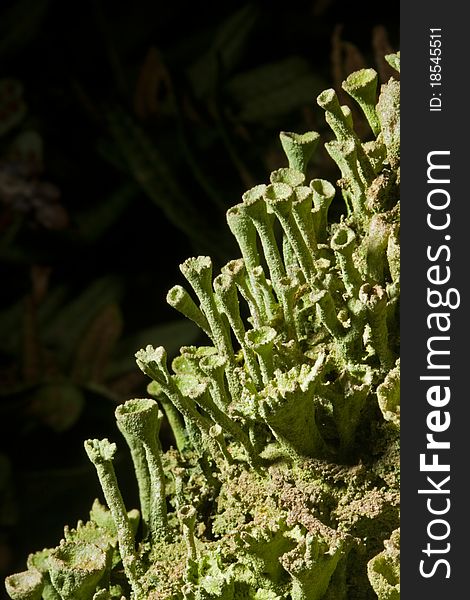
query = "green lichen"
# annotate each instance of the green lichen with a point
(384, 569)
(284, 480)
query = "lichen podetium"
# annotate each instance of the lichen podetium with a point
(284, 479)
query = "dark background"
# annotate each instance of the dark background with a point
(126, 131)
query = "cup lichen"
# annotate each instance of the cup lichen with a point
(283, 484)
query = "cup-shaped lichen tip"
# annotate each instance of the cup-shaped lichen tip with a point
(199, 267)
(299, 148)
(393, 60)
(190, 386)
(328, 99)
(292, 177)
(279, 196)
(215, 363)
(27, 585)
(187, 515)
(75, 569)
(139, 417)
(254, 193)
(178, 298)
(362, 86)
(322, 190)
(100, 451)
(261, 339)
(152, 361)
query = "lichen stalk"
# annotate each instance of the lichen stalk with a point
(101, 453)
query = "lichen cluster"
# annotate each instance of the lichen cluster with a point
(284, 479)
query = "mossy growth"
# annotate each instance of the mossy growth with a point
(283, 482)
